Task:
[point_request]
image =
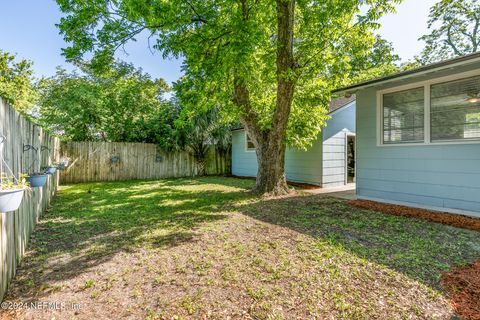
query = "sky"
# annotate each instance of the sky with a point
(27, 28)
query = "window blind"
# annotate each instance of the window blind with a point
(455, 110)
(403, 116)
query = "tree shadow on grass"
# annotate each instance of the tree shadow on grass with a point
(420, 249)
(90, 223)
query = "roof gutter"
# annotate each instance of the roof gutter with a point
(436, 67)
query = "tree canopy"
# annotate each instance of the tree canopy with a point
(17, 82)
(271, 63)
(454, 26)
(119, 104)
(380, 61)
(217, 38)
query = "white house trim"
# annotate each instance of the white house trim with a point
(445, 65)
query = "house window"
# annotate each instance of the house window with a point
(442, 111)
(403, 116)
(249, 143)
(455, 110)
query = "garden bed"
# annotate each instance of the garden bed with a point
(464, 286)
(455, 220)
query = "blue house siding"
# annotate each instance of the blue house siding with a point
(305, 166)
(334, 145)
(326, 155)
(244, 163)
(444, 177)
(300, 166)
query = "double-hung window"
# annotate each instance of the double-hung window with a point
(441, 112)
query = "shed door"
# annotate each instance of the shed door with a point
(350, 157)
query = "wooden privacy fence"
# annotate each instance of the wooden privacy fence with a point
(115, 161)
(16, 227)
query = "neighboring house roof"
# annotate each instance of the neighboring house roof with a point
(338, 103)
(335, 104)
(434, 67)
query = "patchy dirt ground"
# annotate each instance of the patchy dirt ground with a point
(207, 248)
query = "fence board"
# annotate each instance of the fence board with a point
(91, 162)
(16, 227)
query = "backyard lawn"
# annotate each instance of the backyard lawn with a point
(208, 248)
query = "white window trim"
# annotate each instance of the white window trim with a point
(426, 86)
(247, 149)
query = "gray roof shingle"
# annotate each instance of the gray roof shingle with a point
(338, 103)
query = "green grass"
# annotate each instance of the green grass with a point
(207, 247)
(104, 217)
(418, 248)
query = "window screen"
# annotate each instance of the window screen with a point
(455, 110)
(250, 145)
(403, 116)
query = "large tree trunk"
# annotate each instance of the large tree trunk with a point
(271, 169)
(269, 147)
(270, 144)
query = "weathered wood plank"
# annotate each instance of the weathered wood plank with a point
(92, 161)
(16, 227)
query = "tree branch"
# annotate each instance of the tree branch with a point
(199, 17)
(248, 117)
(474, 33)
(449, 41)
